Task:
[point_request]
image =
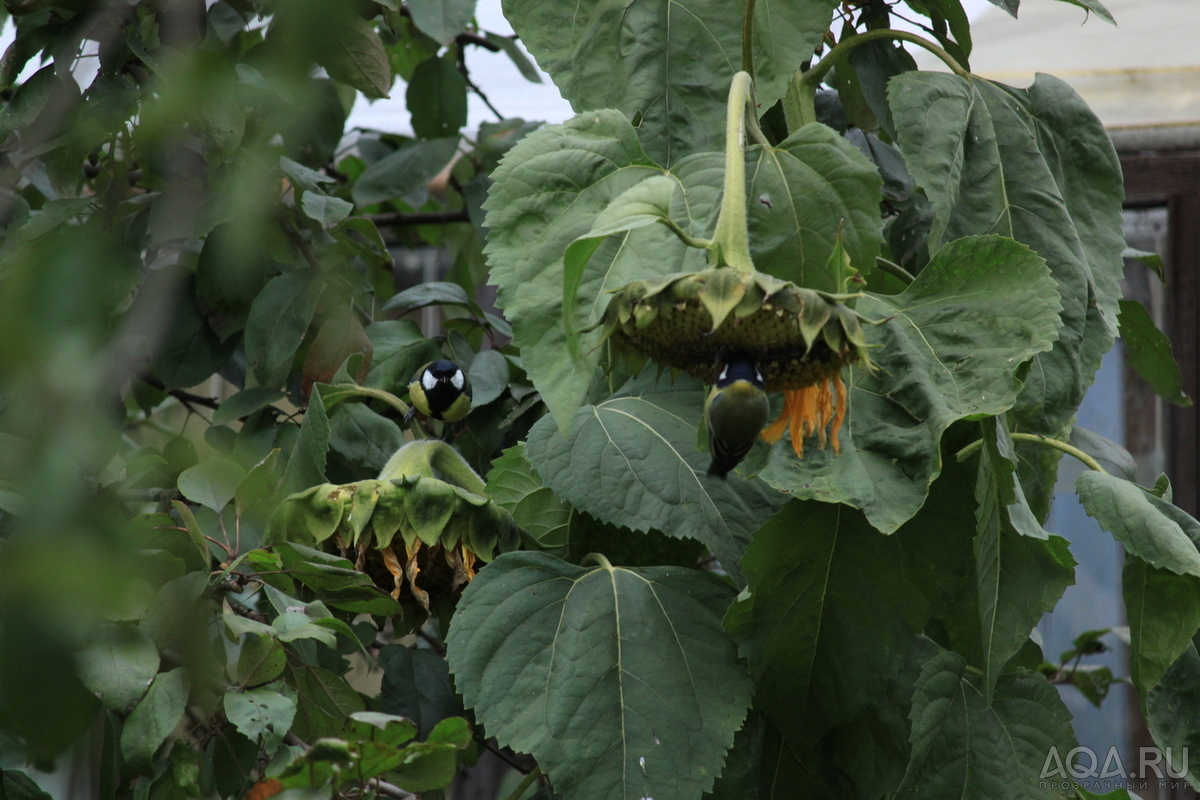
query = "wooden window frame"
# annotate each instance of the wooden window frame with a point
(1171, 179)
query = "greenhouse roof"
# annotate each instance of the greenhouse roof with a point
(1142, 76)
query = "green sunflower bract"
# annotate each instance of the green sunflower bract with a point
(688, 321)
(418, 530)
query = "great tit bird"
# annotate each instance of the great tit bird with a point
(440, 390)
(735, 412)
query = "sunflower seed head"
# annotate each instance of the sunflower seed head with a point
(688, 321)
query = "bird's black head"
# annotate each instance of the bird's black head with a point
(739, 368)
(443, 369)
(443, 381)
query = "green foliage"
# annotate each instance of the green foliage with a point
(532, 632)
(966, 745)
(930, 375)
(1171, 706)
(120, 665)
(664, 486)
(676, 61)
(1036, 166)
(149, 724)
(1149, 352)
(217, 515)
(822, 642)
(1020, 570)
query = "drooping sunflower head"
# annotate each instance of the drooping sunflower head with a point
(688, 321)
(418, 537)
(800, 338)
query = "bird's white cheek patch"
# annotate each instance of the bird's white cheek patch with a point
(457, 379)
(428, 381)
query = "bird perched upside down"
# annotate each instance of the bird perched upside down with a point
(735, 411)
(441, 391)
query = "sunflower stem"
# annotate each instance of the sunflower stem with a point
(600, 560)
(731, 240)
(684, 236)
(894, 269)
(816, 74)
(799, 103)
(519, 792)
(1070, 450)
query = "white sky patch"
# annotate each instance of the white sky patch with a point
(495, 75)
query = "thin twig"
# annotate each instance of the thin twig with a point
(187, 398)
(399, 218)
(223, 545)
(1063, 675)
(381, 786)
(244, 611)
(479, 41)
(93, 171)
(466, 74)
(474, 88)
(301, 244)
(500, 754)
(389, 789)
(434, 642)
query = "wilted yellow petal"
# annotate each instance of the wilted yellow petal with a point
(809, 411)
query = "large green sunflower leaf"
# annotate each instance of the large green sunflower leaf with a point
(620, 682)
(1020, 570)
(965, 748)
(514, 485)
(804, 192)
(632, 461)
(1173, 713)
(668, 64)
(1161, 579)
(1149, 527)
(1163, 609)
(1035, 165)
(548, 192)
(879, 731)
(830, 617)
(1148, 351)
(949, 347)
